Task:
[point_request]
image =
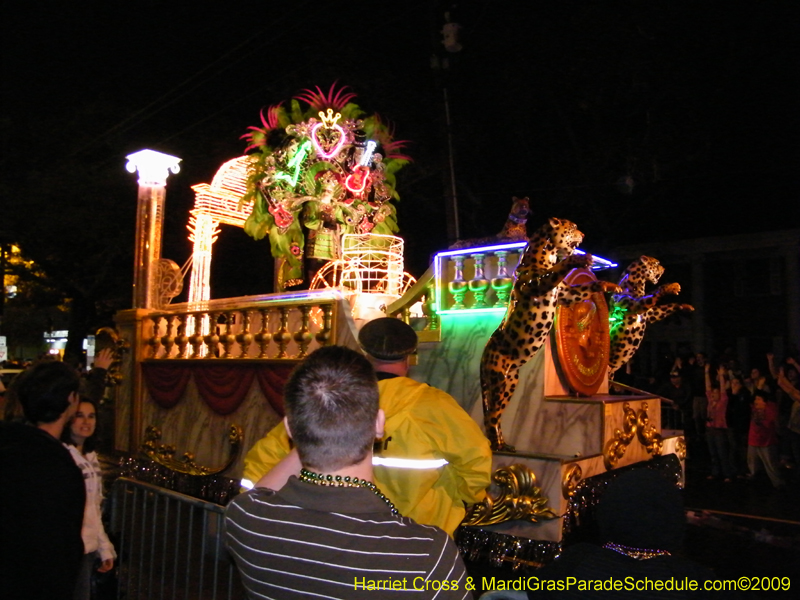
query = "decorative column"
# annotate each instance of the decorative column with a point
(502, 284)
(154, 168)
(458, 287)
(478, 284)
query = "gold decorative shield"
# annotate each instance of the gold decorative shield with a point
(582, 338)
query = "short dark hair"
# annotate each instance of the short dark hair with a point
(331, 402)
(43, 390)
(763, 394)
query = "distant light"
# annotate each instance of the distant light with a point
(60, 334)
(450, 37)
(53, 351)
(154, 167)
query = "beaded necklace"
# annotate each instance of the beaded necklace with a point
(346, 481)
(637, 553)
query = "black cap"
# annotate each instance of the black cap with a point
(388, 339)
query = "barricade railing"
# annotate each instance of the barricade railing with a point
(169, 545)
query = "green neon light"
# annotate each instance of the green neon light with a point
(295, 163)
(616, 316)
(464, 318)
(472, 311)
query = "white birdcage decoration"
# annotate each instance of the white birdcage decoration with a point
(370, 273)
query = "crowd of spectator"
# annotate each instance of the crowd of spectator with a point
(748, 418)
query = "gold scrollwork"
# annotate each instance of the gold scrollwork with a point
(615, 447)
(164, 454)
(572, 477)
(519, 498)
(680, 448)
(107, 337)
(648, 435)
(168, 280)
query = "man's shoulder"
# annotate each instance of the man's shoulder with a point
(420, 390)
(245, 502)
(282, 513)
(30, 456)
(363, 537)
(20, 437)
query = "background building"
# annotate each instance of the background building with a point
(745, 290)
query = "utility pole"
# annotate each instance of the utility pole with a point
(440, 63)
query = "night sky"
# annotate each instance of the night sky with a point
(657, 120)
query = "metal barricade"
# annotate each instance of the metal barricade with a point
(671, 417)
(169, 545)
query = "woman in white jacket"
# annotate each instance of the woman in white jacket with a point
(79, 438)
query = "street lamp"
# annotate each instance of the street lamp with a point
(154, 168)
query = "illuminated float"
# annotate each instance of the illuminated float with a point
(205, 375)
(569, 435)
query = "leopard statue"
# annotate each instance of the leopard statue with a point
(631, 310)
(538, 288)
(513, 230)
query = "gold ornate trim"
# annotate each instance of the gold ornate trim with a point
(680, 448)
(164, 454)
(519, 498)
(572, 477)
(616, 447)
(107, 337)
(648, 435)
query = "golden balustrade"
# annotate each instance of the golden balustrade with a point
(282, 330)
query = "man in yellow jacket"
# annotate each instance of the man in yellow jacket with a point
(433, 458)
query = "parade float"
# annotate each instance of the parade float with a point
(519, 331)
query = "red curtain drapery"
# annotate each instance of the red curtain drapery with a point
(166, 382)
(222, 387)
(272, 378)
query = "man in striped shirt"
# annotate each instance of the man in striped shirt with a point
(331, 533)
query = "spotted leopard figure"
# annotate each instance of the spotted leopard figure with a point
(631, 310)
(538, 288)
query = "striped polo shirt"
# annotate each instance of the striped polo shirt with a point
(309, 541)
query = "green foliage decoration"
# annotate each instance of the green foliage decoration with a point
(318, 173)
